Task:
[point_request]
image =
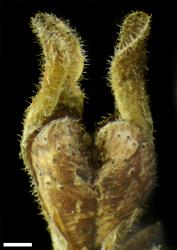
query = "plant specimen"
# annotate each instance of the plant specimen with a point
(90, 203)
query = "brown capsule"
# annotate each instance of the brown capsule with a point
(65, 184)
(124, 180)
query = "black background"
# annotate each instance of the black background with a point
(97, 23)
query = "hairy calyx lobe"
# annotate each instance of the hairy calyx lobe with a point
(128, 69)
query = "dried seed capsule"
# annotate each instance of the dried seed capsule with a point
(89, 206)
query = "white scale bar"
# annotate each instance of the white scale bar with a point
(17, 244)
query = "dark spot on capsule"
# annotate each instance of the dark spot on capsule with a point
(100, 158)
(128, 137)
(98, 192)
(118, 135)
(55, 160)
(83, 174)
(55, 136)
(84, 153)
(48, 183)
(37, 166)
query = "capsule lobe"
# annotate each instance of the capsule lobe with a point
(124, 180)
(60, 159)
